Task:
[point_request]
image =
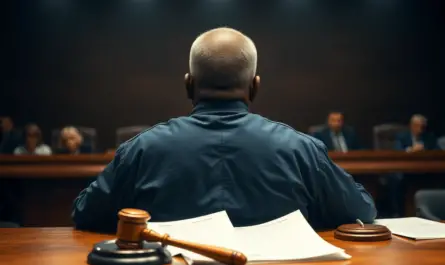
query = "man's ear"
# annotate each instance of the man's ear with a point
(254, 87)
(188, 82)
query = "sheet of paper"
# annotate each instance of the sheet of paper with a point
(285, 239)
(414, 227)
(213, 229)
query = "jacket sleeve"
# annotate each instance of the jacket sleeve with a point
(342, 200)
(97, 206)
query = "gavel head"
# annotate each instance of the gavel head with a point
(129, 228)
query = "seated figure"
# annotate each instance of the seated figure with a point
(33, 142)
(71, 142)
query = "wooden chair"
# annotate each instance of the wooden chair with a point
(385, 135)
(430, 204)
(441, 142)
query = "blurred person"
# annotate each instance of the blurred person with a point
(33, 142)
(71, 141)
(223, 157)
(416, 138)
(11, 137)
(336, 135)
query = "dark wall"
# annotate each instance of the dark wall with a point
(107, 64)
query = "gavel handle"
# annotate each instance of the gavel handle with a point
(223, 255)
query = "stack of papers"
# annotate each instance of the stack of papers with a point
(289, 238)
(414, 227)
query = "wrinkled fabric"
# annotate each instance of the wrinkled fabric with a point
(222, 157)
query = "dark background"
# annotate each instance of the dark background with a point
(107, 64)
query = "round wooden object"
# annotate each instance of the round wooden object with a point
(133, 215)
(367, 233)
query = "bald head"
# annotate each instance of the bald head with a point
(223, 58)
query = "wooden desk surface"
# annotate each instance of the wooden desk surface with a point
(83, 166)
(56, 246)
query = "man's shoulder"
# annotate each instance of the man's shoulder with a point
(281, 129)
(160, 131)
(175, 129)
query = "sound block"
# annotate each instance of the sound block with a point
(108, 253)
(365, 233)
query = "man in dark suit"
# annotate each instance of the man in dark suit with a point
(416, 138)
(336, 136)
(413, 140)
(11, 137)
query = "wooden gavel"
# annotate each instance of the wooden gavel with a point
(132, 230)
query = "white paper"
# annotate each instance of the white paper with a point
(213, 229)
(414, 227)
(289, 238)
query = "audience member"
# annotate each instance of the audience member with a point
(222, 157)
(337, 136)
(33, 142)
(71, 141)
(11, 137)
(416, 138)
(413, 140)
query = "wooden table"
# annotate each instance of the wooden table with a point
(56, 246)
(43, 187)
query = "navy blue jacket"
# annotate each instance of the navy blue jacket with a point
(349, 134)
(405, 140)
(222, 157)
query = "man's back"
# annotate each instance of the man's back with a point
(222, 157)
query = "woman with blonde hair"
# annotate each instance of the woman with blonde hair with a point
(71, 141)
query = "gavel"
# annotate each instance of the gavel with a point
(132, 231)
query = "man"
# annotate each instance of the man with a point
(11, 138)
(222, 157)
(416, 139)
(336, 136)
(413, 140)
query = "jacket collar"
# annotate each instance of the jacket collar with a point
(213, 106)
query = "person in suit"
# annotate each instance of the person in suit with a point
(416, 138)
(11, 137)
(413, 140)
(337, 136)
(33, 142)
(222, 157)
(71, 142)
